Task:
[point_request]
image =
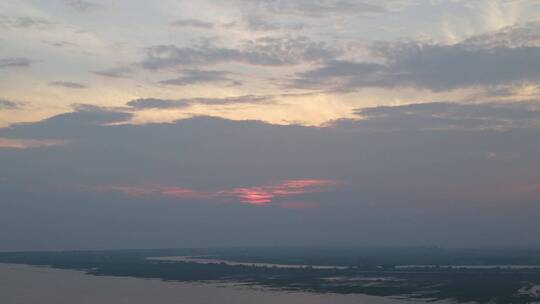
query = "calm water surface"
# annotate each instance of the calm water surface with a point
(20, 284)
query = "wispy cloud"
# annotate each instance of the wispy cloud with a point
(16, 62)
(192, 23)
(68, 84)
(446, 116)
(116, 72)
(510, 56)
(24, 22)
(82, 5)
(266, 51)
(9, 105)
(154, 103)
(261, 195)
(192, 76)
(315, 9)
(256, 195)
(17, 143)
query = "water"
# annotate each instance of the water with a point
(21, 284)
(513, 267)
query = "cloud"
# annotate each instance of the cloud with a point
(268, 51)
(82, 117)
(191, 76)
(417, 168)
(141, 191)
(16, 143)
(446, 116)
(250, 22)
(152, 103)
(68, 84)
(480, 61)
(9, 105)
(515, 36)
(16, 62)
(90, 114)
(256, 195)
(82, 6)
(315, 9)
(62, 44)
(24, 22)
(67, 126)
(260, 23)
(117, 72)
(340, 75)
(262, 195)
(244, 99)
(192, 23)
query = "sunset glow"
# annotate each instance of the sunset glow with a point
(259, 195)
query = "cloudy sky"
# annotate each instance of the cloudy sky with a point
(265, 122)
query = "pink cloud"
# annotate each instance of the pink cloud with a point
(140, 191)
(527, 188)
(257, 195)
(262, 195)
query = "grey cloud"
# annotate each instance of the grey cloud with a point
(82, 5)
(90, 115)
(9, 105)
(83, 115)
(340, 75)
(434, 67)
(14, 62)
(417, 180)
(505, 92)
(66, 126)
(268, 51)
(260, 23)
(447, 116)
(68, 84)
(166, 56)
(246, 99)
(117, 72)
(198, 76)
(195, 23)
(152, 103)
(448, 67)
(62, 44)
(24, 22)
(316, 9)
(521, 35)
(251, 22)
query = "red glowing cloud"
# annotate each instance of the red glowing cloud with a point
(262, 195)
(257, 195)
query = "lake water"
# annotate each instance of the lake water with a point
(21, 284)
(514, 267)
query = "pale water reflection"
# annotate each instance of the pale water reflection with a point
(206, 260)
(20, 284)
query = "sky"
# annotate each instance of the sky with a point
(140, 124)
